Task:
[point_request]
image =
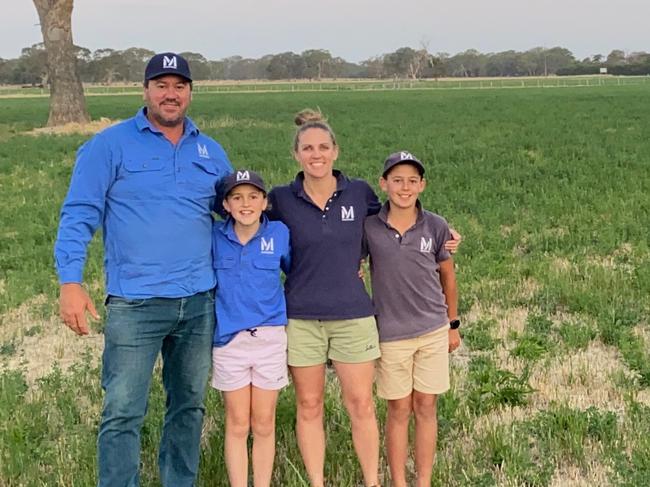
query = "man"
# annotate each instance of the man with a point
(150, 183)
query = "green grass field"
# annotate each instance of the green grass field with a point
(550, 189)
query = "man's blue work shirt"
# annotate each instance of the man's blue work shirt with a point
(324, 283)
(153, 200)
(249, 288)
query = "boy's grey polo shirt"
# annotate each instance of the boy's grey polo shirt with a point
(324, 283)
(405, 271)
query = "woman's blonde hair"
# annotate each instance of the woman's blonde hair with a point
(311, 119)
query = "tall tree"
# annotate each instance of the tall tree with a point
(67, 103)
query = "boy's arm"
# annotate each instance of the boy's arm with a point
(448, 283)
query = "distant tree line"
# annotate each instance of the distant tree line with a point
(118, 66)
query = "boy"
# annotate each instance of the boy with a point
(415, 297)
(250, 344)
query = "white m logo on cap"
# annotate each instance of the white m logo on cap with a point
(266, 247)
(426, 244)
(406, 155)
(169, 62)
(243, 176)
(347, 214)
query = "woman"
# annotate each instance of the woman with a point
(330, 314)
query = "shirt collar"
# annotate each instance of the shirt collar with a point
(298, 184)
(142, 122)
(229, 229)
(383, 213)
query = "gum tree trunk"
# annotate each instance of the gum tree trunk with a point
(67, 103)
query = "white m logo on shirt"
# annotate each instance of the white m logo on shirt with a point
(426, 244)
(203, 151)
(266, 247)
(243, 176)
(347, 214)
(169, 62)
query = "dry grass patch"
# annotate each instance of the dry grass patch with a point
(581, 379)
(562, 265)
(53, 344)
(75, 128)
(527, 288)
(595, 474)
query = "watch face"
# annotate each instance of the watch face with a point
(454, 324)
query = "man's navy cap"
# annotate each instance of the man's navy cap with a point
(402, 157)
(242, 176)
(167, 63)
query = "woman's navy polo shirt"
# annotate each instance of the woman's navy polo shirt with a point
(324, 283)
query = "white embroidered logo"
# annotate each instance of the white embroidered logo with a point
(426, 244)
(405, 156)
(169, 62)
(243, 176)
(203, 151)
(347, 214)
(266, 247)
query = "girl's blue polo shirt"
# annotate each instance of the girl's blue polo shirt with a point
(323, 282)
(249, 288)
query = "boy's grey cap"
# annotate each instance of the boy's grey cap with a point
(400, 158)
(167, 63)
(242, 176)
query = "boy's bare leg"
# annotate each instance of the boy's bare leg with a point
(356, 385)
(426, 435)
(263, 427)
(309, 383)
(238, 412)
(397, 438)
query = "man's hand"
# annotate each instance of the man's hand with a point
(73, 304)
(454, 340)
(453, 244)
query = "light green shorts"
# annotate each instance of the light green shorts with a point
(312, 342)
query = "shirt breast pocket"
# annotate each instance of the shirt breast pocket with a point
(269, 263)
(142, 179)
(267, 272)
(204, 176)
(224, 263)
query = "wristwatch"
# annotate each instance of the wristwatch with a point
(454, 324)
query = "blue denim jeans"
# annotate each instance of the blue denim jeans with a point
(136, 332)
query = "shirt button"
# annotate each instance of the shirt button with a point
(144, 165)
(323, 216)
(397, 235)
(327, 207)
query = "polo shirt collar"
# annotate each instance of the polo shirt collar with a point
(383, 213)
(229, 229)
(142, 122)
(298, 184)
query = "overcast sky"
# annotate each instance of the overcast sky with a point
(352, 29)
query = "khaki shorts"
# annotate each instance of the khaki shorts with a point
(312, 342)
(420, 363)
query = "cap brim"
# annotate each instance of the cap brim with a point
(164, 73)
